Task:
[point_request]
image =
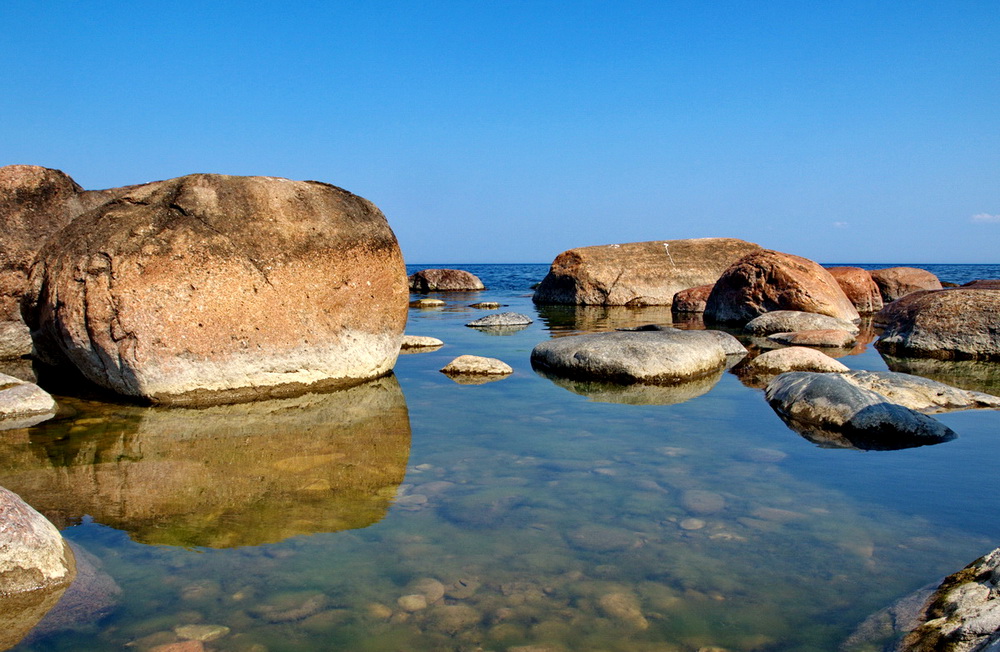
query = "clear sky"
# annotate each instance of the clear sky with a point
(509, 131)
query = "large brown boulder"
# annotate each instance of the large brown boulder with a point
(692, 299)
(211, 288)
(444, 280)
(896, 282)
(34, 203)
(637, 273)
(767, 280)
(953, 324)
(859, 287)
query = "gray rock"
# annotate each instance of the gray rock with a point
(15, 339)
(730, 344)
(477, 365)
(501, 319)
(420, 342)
(33, 555)
(761, 369)
(829, 410)
(654, 357)
(921, 394)
(963, 614)
(784, 321)
(23, 404)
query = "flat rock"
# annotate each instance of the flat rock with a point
(827, 337)
(831, 410)
(692, 299)
(500, 319)
(729, 343)
(963, 614)
(211, 288)
(860, 288)
(954, 324)
(420, 342)
(784, 321)
(896, 282)
(758, 371)
(765, 281)
(921, 394)
(637, 273)
(653, 357)
(444, 280)
(477, 365)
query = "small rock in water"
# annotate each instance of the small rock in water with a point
(427, 303)
(477, 365)
(463, 588)
(420, 342)
(501, 319)
(692, 524)
(487, 305)
(203, 633)
(182, 646)
(429, 587)
(452, 619)
(379, 611)
(623, 607)
(412, 602)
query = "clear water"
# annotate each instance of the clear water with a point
(551, 517)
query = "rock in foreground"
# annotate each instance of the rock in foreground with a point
(33, 555)
(963, 614)
(660, 357)
(210, 288)
(766, 281)
(444, 280)
(831, 411)
(23, 404)
(637, 273)
(956, 324)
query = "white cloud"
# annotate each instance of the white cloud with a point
(840, 225)
(986, 218)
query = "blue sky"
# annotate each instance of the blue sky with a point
(511, 131)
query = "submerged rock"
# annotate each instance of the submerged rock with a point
(212, 289)
(637, 273)
(766, 280)
(963, 614)
(652, 357)
(830, 410)
(444, 280)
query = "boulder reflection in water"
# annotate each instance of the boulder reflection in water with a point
(224, 476)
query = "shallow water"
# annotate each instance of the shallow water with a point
(418, 513)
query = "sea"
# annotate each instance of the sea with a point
(526, 514)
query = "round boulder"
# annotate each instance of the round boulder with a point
(766, 280)
(859, 287)
(444, 280)
(949, 324)
(761, 369)
(33, 555)
(896, 282)
(653, 357)
(692, 299)
(211, 288)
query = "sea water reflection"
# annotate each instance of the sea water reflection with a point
(528, 516)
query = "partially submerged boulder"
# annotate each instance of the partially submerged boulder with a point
(896, 282)
(477, 365)
(444, 280)
(765, 281)
(211, 288)
(963, 614)
(23, 404)
(824, 337)
(921, 394)
(784, 321)
(637, 273)
(33, 555)
(831, 411)
(758, 371)
(420, 342)
(860, 288)
(659, 357)
(692, 299)
(952, 324)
